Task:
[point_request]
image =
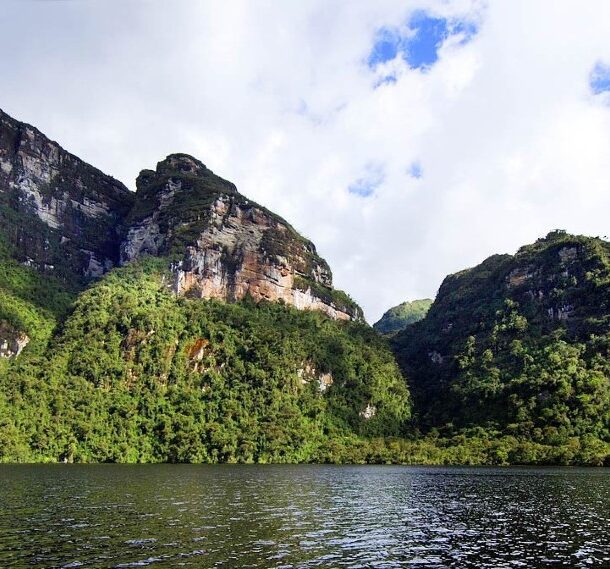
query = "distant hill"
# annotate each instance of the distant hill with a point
(399, 317)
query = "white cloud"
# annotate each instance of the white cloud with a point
(277, 97)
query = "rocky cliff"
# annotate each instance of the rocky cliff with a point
(64, 217)
(57, 213)
(222, 245)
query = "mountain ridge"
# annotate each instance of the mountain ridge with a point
(65, 217)
(186, 323)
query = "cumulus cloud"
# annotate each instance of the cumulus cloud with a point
(402, 166)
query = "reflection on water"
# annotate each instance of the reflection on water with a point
(302, 516)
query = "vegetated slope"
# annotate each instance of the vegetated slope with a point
(147, 364)
(399, 317)
(518, 345)
(140, 374)
(31, 304)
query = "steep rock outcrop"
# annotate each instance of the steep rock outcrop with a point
(64, 217)
(12, 341)
(57, 213)
(222, 245)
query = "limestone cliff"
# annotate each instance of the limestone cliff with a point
(222, 245)
(57, 213)
(65, 218)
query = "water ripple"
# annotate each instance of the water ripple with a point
(302, 516)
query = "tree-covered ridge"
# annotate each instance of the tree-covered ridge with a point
(399, 317)
(519, 345)
(138, 374)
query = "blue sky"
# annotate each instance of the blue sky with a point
(600, 78)
(366, 185)
(415, 170)
(408, 139)
(419, 40)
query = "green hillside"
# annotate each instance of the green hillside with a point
(138, 374)
(399, 317)
(518, 346)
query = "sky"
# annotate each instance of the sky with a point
(407, 139)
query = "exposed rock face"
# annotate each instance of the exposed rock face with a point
(224, 246)
(12, 341)
(59, 213)
(520, 275)
(308, 373)
(368, 412)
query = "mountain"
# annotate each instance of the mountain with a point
(181, 323)
(519, 345)
(222, 245)
(399, 317)
(185, 323)
(57, 213)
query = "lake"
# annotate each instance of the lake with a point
(303, 516)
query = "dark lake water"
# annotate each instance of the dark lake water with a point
(303, 516)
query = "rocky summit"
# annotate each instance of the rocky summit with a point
(224, 246)
(68, 219)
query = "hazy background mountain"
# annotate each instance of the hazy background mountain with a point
(399, 317)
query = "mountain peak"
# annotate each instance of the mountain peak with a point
(183, 167)
(222, 245)
(182, 163)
